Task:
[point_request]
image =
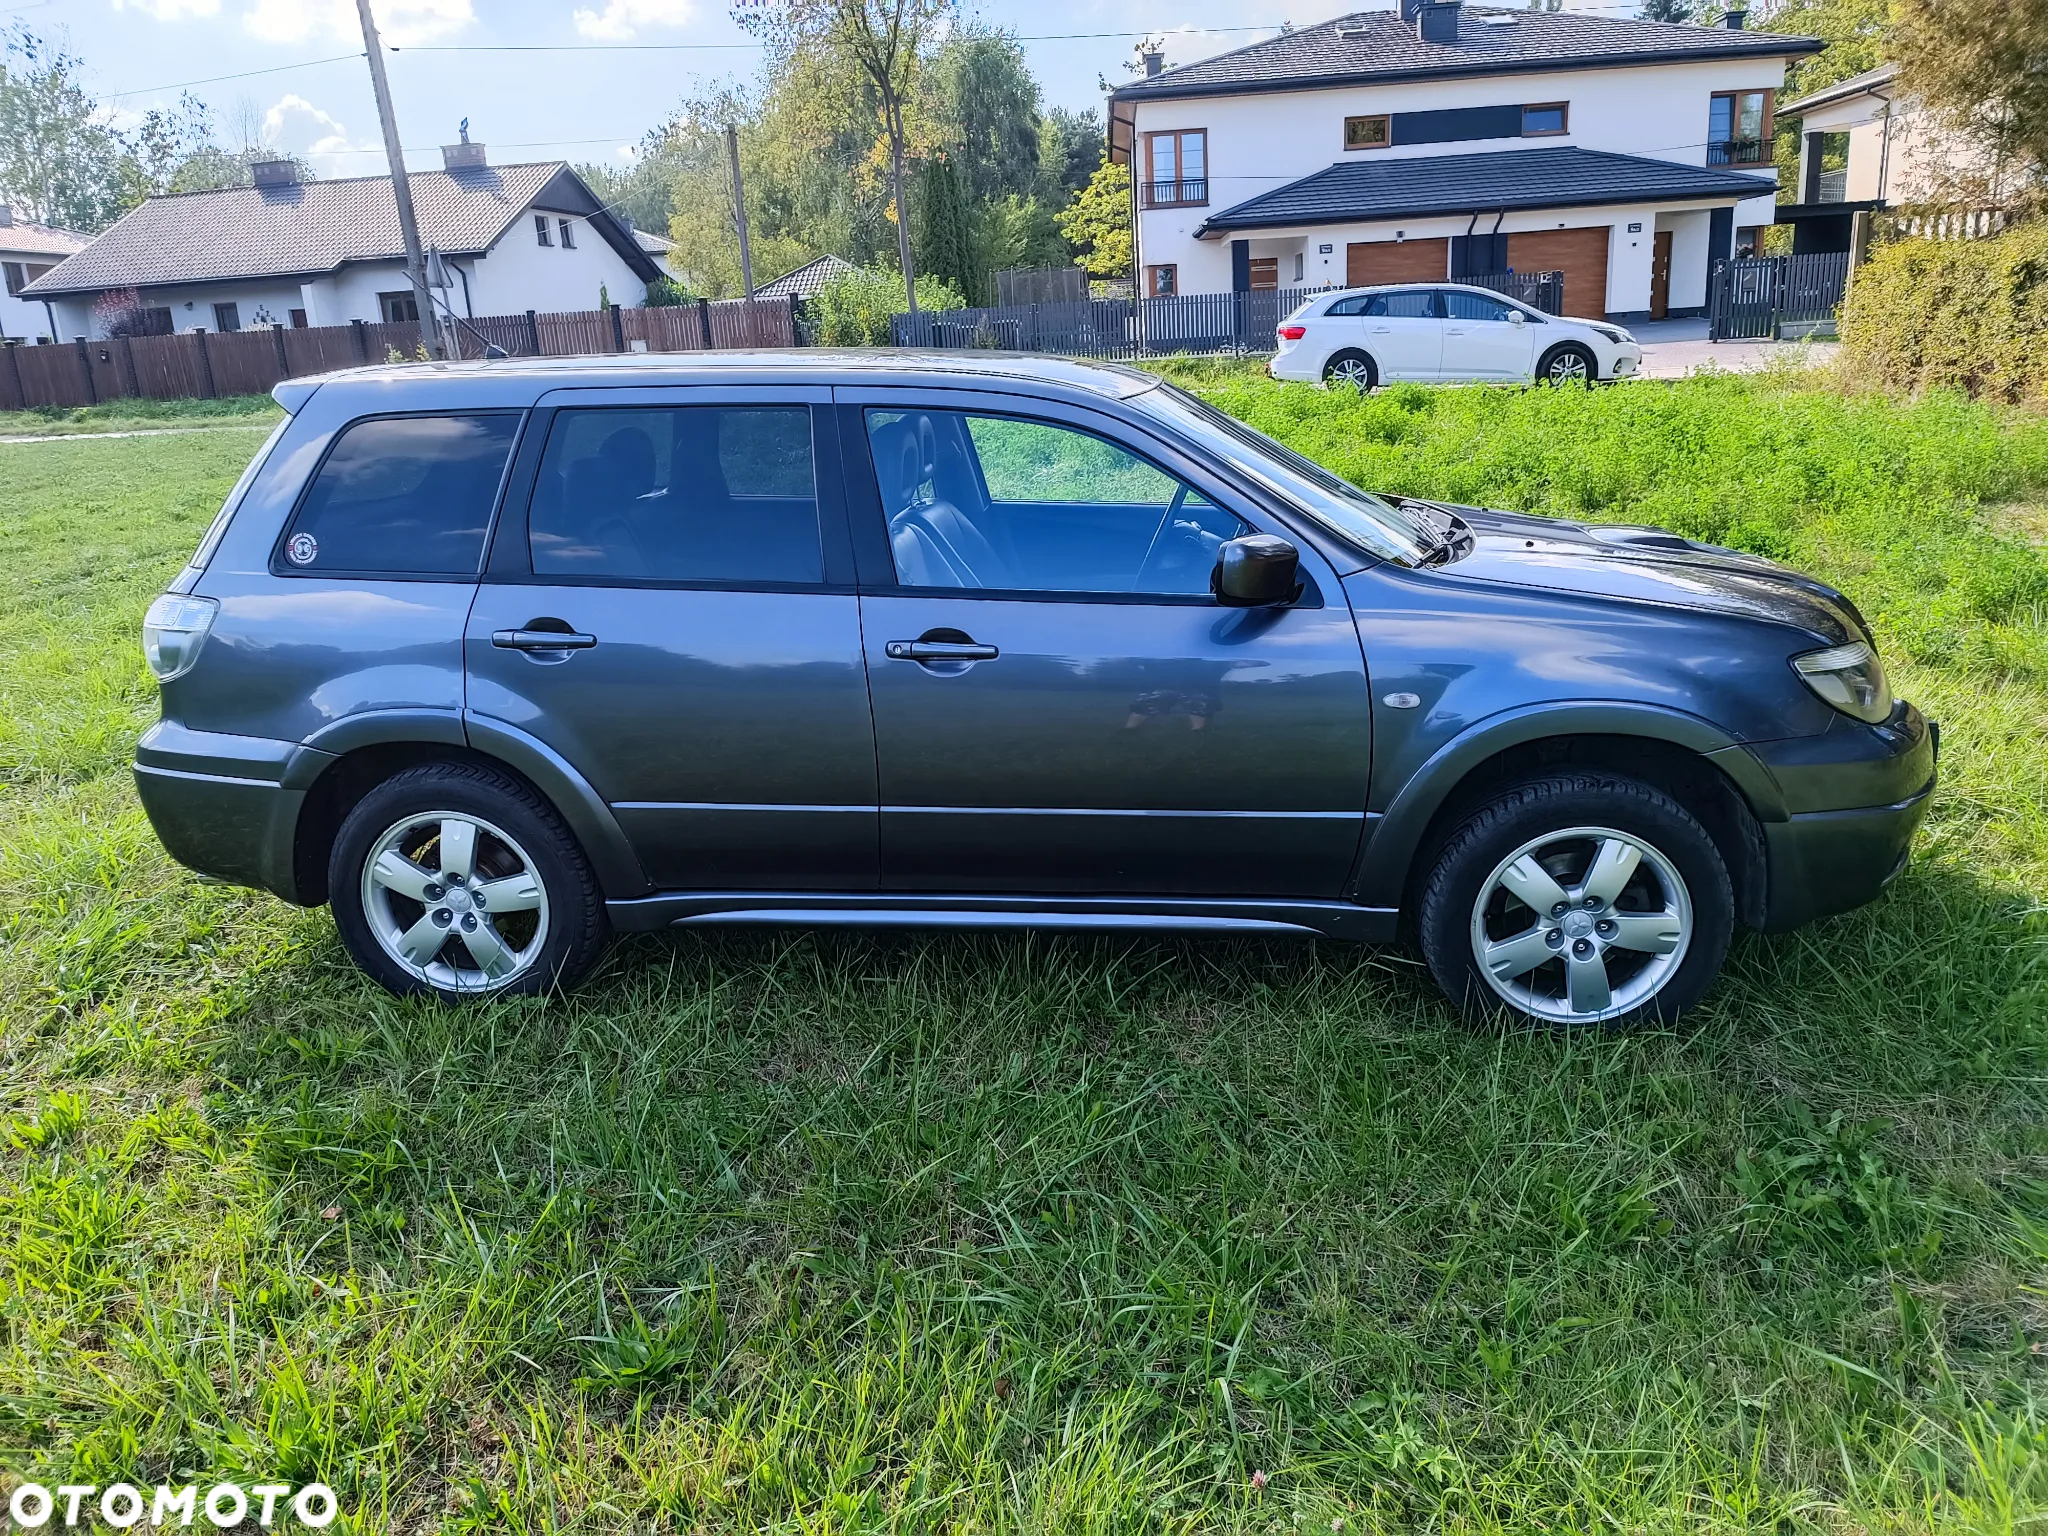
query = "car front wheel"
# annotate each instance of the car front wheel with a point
(457, 880)
(1576, 900)
(1568, 364)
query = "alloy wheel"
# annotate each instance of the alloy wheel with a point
(1353, 371)
(455, 901)
(1567, 368)
(1582, 925)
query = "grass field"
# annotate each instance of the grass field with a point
(832, 1234)
(140, 416)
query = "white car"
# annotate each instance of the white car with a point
(1442, 331)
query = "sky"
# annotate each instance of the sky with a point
(537, 79)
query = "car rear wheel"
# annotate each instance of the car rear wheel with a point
(1568, 364)
(459, 881)
(1578, 900)
(1352, 370)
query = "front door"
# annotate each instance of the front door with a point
(1059, 704)
(671, 609)
(1484, 337)
(1660, 274)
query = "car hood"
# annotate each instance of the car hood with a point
(1643, 564)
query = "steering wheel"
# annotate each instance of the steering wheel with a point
(1180, 496)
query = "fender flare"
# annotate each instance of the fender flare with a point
(1381, 877)
(581, 806)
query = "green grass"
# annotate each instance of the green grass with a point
(140, 415)
(826, 1234)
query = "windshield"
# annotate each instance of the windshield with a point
(1358, 516)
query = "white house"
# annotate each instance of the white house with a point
(286, 252)
(27, 251)
(1863, 144)
(1445, 140)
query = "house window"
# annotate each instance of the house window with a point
(540, 229)
(227, 317)
(1177, 168)
(1297, 266)
(16, 279)
(1544, 117)
(1368, 132)
(1161, 282)
(395, 307)
(298, 319)
(568, 234)
(1739, 127)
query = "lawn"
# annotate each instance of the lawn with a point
(831, 1233)
(141, 416)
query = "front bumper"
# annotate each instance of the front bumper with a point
(219, 804)
(1827, 857)
(1628, 361)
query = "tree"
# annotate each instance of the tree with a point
(945, 243)
(1981, 66)
(1070, 150)
(982, 104)
(1666, 10)
(887, 41)
(61, 163)
(854, 309)
(1098, 222)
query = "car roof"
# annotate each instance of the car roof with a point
(505, 379)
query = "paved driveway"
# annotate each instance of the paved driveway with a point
(1674, 348)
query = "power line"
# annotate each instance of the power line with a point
(179, 85)
(1022, 37)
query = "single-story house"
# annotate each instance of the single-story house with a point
(1443, 141)
(27, 251)
(308, 253)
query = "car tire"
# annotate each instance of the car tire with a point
(1352, 369)
(1564, 876)
(1568, 363)
(472, 857)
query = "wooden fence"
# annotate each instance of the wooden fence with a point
(210, 364)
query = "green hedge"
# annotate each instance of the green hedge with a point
(1952, 314)
(854, 309)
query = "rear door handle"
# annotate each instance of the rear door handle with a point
(541, 640)
(939, 650)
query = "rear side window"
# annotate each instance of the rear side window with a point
(695, 493)
(403, 496)
(1410, 304)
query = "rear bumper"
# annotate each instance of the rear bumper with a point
(219, 806)
(1824, 860)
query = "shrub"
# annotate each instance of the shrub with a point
(1954, 314)
(854, 309)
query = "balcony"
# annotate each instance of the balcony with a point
(1738, 151)
(1175, 194)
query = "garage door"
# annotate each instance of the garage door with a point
(1580, 254)
(1367, 262)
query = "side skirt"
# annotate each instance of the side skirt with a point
(889, 909)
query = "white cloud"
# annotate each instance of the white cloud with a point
(621, 19)
(298, 127)
(170, 10)
(400, 23)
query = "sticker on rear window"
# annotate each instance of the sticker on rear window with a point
(302, 549)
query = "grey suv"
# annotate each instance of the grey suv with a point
(499, 659)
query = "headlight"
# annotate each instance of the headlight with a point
(1614, 333)
(1848, 677)
(173, 631)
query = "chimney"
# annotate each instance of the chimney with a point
(274, 173)
(463, 157)
(1437, 22)
(1733, 20)
(1154, 62)
(1409, 8)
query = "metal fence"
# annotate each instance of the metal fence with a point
(1756, 297)
(209, 364)
(1182, 324)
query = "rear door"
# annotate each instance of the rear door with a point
(1060, 705)
(1481, 341)
(1404, 332)
(669, 605)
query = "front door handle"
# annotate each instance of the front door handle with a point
(939, 650)
(541, 640)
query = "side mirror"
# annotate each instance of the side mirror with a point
(1516, 317)
(1256, 571)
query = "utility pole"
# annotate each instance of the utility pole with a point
(401, 189)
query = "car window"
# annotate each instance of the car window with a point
(1461, 305)
(1356, 304)
(1409, 304)
(403, 496)
(977, 500)
(698, 493)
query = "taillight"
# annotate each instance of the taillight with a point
(173, 631)
(1293, 332)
